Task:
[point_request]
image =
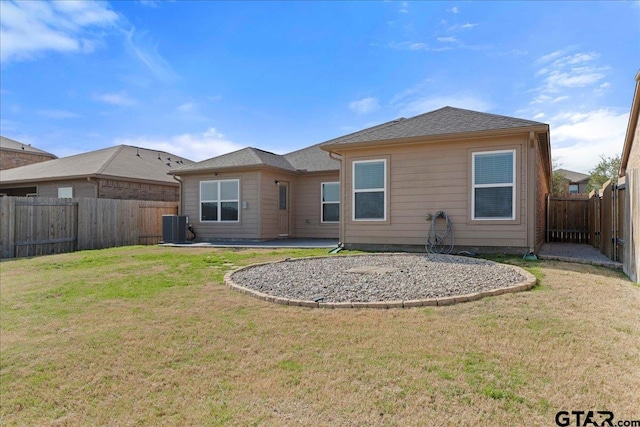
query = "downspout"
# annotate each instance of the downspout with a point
(343, 220)
(179, 194)
(531, 193)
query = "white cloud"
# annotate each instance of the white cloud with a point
(420, 99)
(120, 99)
(579, 138)
(145, 51)
(192, 146)
(187, 107)
(447, 39)
(29, 28)
(58, 114)
(562, 70)
(404, 7)
(415, 46)
(365, 105)
(454, 9)
(466, 26)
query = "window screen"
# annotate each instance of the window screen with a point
(494, 185)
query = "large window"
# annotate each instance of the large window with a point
(494, 189)
(330, 202)
(369, 190)
(219, 200)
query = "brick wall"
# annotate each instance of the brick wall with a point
(14, 159)
(114, 189)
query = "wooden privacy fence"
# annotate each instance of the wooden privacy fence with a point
(31, 226)
(568, 219)
(597, 219)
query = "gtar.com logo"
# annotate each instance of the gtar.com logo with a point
(591, 418)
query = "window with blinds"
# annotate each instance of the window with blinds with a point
(369, 190)
(330, 201)
(493, 193)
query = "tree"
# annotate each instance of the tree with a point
(604, 171)
(559, 183)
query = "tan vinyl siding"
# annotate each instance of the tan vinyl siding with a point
(427, 178)
(81, 188)
(634, 153)
(308, 222)
(246, 228)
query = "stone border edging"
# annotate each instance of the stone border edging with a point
(607, 264)
(525, 285)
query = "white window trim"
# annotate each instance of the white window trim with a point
(368, 190)
(474, 186)
(219, 201)
(322, 203)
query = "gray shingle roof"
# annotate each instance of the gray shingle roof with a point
(445, 121)
(11, 145)
(122, 161)
(310, 159)
(246, 157)
(574, 176)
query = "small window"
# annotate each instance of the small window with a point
(573, 188)
(330, 202)
(65, 192)
(493, 195)
(219, 200)
(369, 190)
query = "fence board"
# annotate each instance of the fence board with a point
(606, 220)
(39, 226)
(568, 220)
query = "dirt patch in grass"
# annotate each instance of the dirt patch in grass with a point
(150, 336)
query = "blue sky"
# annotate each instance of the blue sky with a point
(199, 78)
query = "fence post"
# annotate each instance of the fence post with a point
(7, 227)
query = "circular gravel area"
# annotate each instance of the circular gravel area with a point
(400, 280)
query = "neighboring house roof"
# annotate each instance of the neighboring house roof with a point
(310, 159)
(576, 177)
(11, 145)
(445, 121)
(632, 128)
(119, 162)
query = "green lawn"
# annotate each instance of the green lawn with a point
(151, 336)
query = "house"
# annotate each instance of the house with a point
(120, 172)
(629, 179)
(374, 188)
(14, 154)
(574, 182)
(257, 195)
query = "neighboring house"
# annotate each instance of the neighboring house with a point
(373, 188)
(575, 182)
(629, 177)
(120, 172)
(14, 154)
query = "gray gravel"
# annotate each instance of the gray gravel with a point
(383, 277)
